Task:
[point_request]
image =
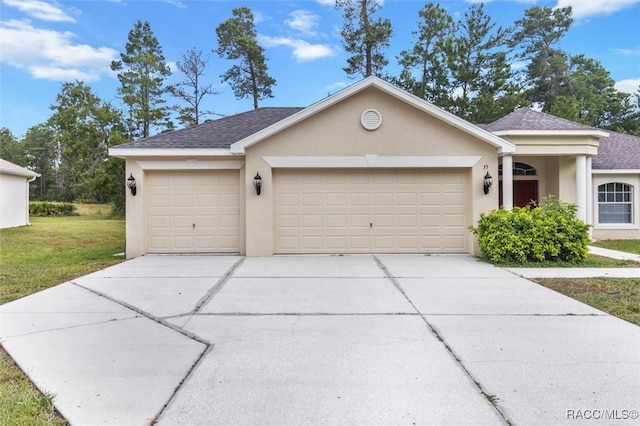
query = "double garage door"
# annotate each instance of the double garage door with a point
(193, 212)
(322, 211)
(386, 211)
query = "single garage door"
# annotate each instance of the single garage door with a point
(192, 212)
(385, 211)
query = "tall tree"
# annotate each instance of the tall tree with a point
(84, 129)
(11, 149)
(237, 41)
(42, 155)
(478, 65)
(424, 67)
(537, 35)
(591, 87)
(191, 89)
(364, 37)
(141, 72)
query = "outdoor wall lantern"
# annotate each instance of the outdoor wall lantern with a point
(131, 183)
(488, 181)
(257, 183)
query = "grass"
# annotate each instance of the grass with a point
(20, 402)
(592, 261)
(629, 246)
(50, 251)
(617, 296)
(56, 249)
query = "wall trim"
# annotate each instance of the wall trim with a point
(189, 165)
(371, 161)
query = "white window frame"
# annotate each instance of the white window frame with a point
(633, 182)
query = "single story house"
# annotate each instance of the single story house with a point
(370, 169)
(14, 194)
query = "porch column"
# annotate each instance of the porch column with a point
(507, 182)
(581, 187)
(589, 193)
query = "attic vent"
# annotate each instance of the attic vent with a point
(371, 119)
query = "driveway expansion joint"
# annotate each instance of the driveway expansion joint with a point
(193, 367)
(217, 287)
(70, 327)
(145, 314)
(491, 399)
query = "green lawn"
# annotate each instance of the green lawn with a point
(616, 296)
(32, 258)
(592, 261)
(629, 246)
(55, 249)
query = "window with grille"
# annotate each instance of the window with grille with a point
(520, 169)
(615, 203)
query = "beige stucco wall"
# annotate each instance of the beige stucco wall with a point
(546, 145)
(136, 219)
(14, 200)
(337, 131)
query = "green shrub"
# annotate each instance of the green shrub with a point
(550, 232)
(47, 208)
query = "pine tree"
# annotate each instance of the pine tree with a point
(424, 67)
(364, 37)
(141, 72)
(237, 40)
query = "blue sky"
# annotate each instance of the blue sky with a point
(43, 43)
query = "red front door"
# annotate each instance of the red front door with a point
(524, 191)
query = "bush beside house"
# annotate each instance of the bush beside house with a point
(549, 232)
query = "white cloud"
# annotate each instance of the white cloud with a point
(40, 10)
(627, 52)
(52, 55)
(628, 86)
(332, 88)
(61, 74)
(177, 3)
(586, 8)
(303, 21)
(326, 2)
(302, 51)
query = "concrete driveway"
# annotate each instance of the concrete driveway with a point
(385, 339)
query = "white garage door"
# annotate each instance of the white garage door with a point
(370, 211)
(193, 212)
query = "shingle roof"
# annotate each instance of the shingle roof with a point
(220, 133)
(618, 151)
(528, 119)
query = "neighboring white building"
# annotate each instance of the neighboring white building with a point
(14, 194)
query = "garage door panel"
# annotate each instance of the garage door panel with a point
(160, 200)
(359, 199)
(193, 211)
(383, 211)
(336, 221)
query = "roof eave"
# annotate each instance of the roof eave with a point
(616, 171)
(15, 172)
(169, 152)
(595, 132)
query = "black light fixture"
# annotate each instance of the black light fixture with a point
(257, 183)
(488, 181)
(131, 183)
